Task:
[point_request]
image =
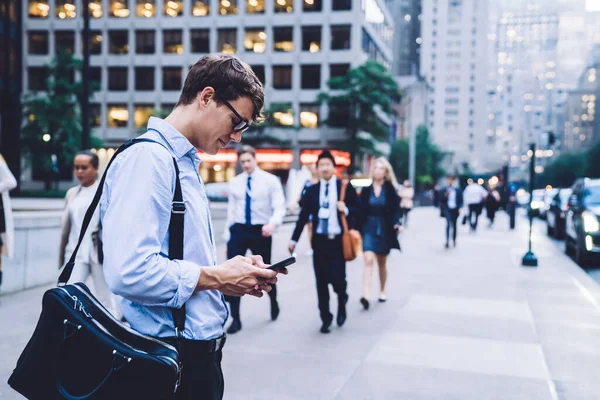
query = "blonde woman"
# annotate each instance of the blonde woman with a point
(379, 222)
(7, 232)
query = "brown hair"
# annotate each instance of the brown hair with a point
(229, 76)
(246, 149)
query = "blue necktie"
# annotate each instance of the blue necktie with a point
(325, 221)
(248, 201)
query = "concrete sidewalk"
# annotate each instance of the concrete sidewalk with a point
(465, 323)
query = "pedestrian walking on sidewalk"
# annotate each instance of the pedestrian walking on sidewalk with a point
(89, 258)
(491, 205)
(7, 227)
(221, 97)
(256, 208)
(451, 201)
(379, 221)
(322, 202)
(407, 195)
(474, 196)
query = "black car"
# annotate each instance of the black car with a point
(582, 223)
(555, 215)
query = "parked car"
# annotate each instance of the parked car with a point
(555, 215)
(537, 201)
(582, 222)
(217, 191)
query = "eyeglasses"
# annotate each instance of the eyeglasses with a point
(241, 126)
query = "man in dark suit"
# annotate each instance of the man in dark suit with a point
(451, 201)
(322, 202)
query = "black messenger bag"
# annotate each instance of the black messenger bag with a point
(80, 351)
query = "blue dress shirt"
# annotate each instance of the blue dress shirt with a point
(135, 210)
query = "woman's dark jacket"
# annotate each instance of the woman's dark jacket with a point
(392, 211)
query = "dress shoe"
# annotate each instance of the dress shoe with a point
(341, 314)
(365, 303)
(325, 328)
(235, 327)
(274, 310)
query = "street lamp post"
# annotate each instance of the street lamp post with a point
(530, 260)
(85, 77)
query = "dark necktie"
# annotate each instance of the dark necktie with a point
(325, 221)
(248, 203)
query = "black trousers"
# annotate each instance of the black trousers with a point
(451, 215)
(474, 211)
(201, 373)
(330, 268)
(242, 238)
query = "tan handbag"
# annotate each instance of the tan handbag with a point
(351, 238)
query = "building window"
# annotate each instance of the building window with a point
(95, 43)
(283, 39)
(336, 70)
(37, 77)
(284, 116)
(119, 8)
(118, 42)
(259, 70)
(255, 40)
(309, 115)
(228, 7)
(310, 76)
(145, 41)
(95, 8)
(311, 38)
(255, 6)
(340, 37)
(38, 9)
(117, 79)
(141, 115)
(144, 78)
(38, 42)
(338, 115)
(172, 8)
(282, 77)
(312, 5)
(171, 78)
(65, 41)
(200, 8)
(96, 77)
(341, 5)
(284, 6)
(117, 115)
(65, 9)
(200, 40)
(226, 42)
(173, 41)
(95, 115)
(145, 8)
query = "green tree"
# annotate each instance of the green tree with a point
(355, 99)
(51, 133)
(593, 162)
(428, 160)
(563, 171)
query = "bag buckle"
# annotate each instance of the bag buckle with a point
(178, 207)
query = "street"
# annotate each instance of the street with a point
(466, 323)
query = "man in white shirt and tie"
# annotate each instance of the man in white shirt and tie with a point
(256, 208)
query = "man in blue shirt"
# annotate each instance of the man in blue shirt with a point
(220, 98)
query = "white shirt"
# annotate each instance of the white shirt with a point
(267, 200)
(474, 194)
(452, 198)
(333, 227)
(77, 210)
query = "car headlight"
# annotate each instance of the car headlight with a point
(536, 204)
(590, 222)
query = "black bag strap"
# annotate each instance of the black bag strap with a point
(175, 228)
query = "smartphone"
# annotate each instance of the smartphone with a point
(282, 264)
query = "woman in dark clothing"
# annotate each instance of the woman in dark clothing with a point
(491, 204)
(379, 220)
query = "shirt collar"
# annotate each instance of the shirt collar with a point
(331, 181)
(180, 145)
(253, 174)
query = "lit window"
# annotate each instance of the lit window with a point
(173, 8)
(119, 8)
(255, 6)
(227, 7)
(118, 42)
(65, 9)
(38, 42)
(95, 43)
(118, 115)
(312, 5)
(255, 40)
(38, 9)
(95, 115)
(283, 39)
(284, 6)
(283, 114)
(173, 41)
(145, 8)
(95, 8)
(141, 115)
(311, 38)
(226, 42)
(309, 115)
(200, 8)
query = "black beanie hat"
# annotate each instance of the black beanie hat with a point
(326, 154)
